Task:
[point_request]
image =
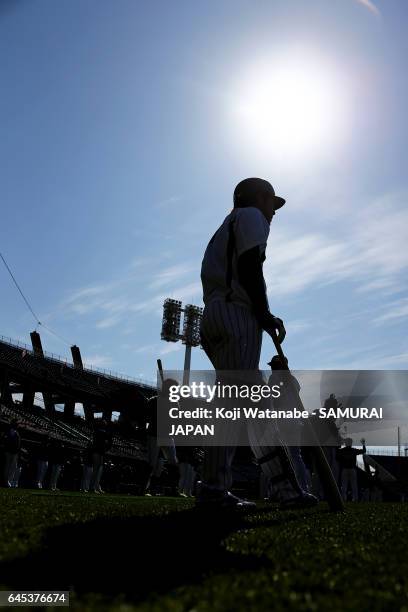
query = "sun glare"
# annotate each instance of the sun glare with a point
(291, 108)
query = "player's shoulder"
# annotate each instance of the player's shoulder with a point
(250, 222)
(249, 214)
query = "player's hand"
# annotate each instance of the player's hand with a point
(274, 327)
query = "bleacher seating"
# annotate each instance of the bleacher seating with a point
(78, 434)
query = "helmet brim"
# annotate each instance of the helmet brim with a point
(279, 202)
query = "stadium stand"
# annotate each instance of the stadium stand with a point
(33, 389)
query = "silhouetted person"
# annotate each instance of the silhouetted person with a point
(12, 446)
(347, 458)
(186, 458)
(375, 485)
(86, 470)
(101, 444)
(155, 453)
(331, 402)
(42, 461)
(329, 436)
(236, 314)
(56, 458)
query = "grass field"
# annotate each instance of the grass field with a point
(127, 553)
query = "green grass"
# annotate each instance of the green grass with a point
(158, 554)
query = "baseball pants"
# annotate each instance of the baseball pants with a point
(42, 467)
(55, 474)
(16, 478)
(232, 340)
(156, 462)
(349, 478)
(97, 469)
(153, 454)
(86, 477)
(10, 467)
(187, 478)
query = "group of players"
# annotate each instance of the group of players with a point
(48, 456)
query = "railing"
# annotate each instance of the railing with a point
(15, 343)
(87, 367)
(388, 452)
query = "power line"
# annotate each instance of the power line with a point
(19, 289)
(37, 320)
(55, 334)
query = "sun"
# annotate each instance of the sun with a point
(291, 107)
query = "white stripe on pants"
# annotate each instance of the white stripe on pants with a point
(232, 339)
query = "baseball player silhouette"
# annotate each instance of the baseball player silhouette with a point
(154, 451)
(235, 315)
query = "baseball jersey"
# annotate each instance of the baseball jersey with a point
(242, 230)
(347, 457)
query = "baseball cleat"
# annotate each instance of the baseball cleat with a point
(212, 499)
(304, 500)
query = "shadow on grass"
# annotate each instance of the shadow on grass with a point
(135, 556)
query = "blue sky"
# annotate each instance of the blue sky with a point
(121, 144)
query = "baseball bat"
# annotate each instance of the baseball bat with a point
(160, 368)
(331, 490)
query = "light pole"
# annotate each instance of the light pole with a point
(190, 335)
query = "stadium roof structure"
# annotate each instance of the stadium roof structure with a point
(27, 371)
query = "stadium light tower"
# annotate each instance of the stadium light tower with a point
(190, 336)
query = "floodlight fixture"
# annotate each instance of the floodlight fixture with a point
(191, 325)
(171, 320)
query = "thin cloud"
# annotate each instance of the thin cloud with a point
(385, 285)
(372, 254)
(297, 326)
(395, 311)
(378, 362)
(396, 360)
(88, 292)
(139, 262)
(156, 348)
(191, 292)
(370, 6)
(146, 349)
(170, 275)
(108, 322)
(116, 303)
(97, 361)
(170, 348)
(168, 202)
